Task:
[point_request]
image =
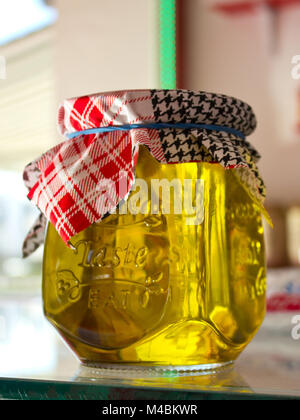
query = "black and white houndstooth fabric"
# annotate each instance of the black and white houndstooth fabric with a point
(184, 106)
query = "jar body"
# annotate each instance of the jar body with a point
(160, 289)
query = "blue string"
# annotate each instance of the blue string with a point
(157, 126)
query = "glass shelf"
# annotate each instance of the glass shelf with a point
(36, 364)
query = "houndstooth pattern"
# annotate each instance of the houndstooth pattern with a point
(205, 108)
(64, 182)
(186, 106)
(205, 145)
(35, 236)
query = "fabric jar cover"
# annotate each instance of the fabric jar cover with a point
(64, 181)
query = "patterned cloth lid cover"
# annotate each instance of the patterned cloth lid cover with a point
(64, 181)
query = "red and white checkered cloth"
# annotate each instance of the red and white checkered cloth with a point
(66, 183)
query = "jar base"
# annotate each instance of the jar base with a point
(111, 369)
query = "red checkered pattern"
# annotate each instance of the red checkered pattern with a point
(77, 182)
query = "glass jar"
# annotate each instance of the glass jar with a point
(154, 290)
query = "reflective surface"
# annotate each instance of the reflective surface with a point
(270, 364)
(162, 289)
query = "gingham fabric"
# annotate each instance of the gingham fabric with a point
(64, 182)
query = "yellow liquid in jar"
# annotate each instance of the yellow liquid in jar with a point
(152, 290)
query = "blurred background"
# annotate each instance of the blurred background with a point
(54, 49)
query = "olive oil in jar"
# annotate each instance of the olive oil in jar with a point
(155, 289)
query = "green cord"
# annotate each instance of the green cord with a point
(168, 44)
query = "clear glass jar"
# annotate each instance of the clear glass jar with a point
(155, 291)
